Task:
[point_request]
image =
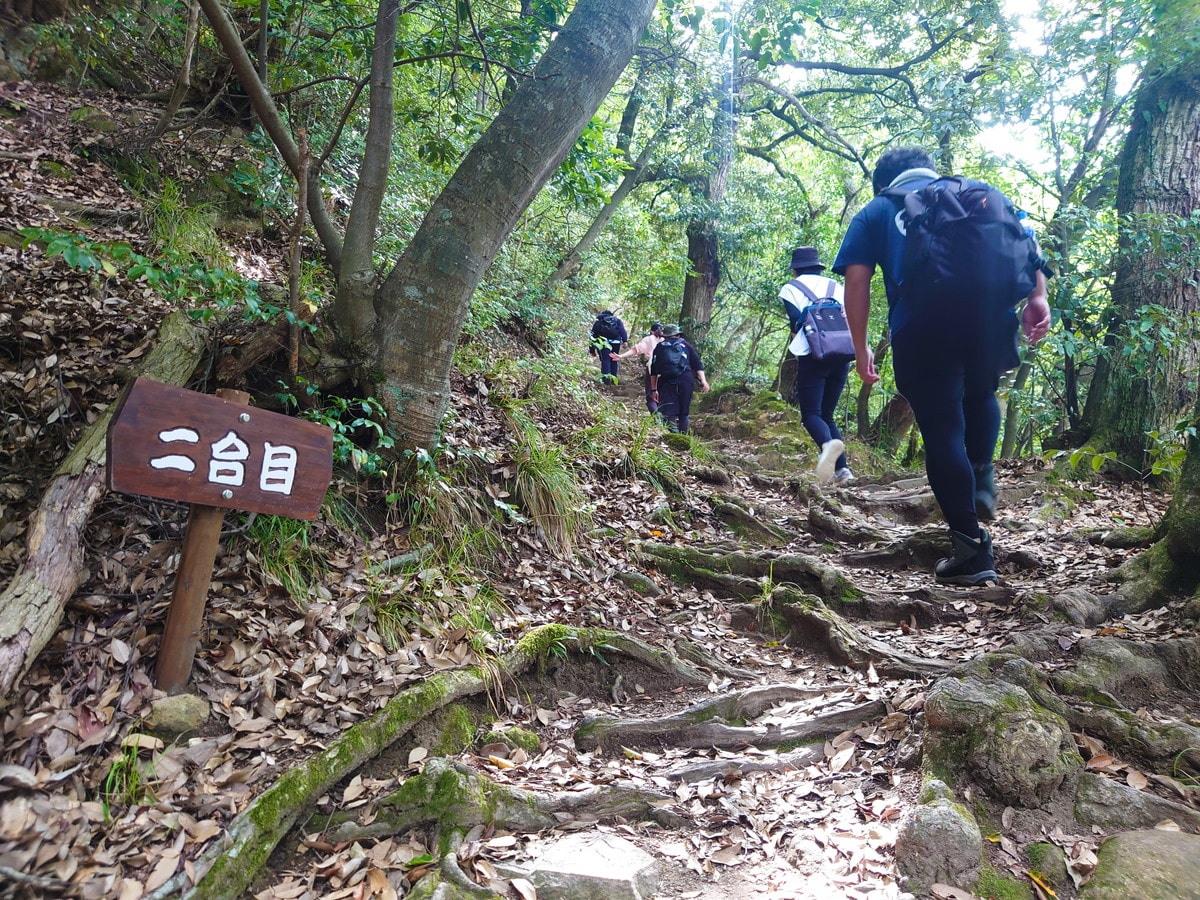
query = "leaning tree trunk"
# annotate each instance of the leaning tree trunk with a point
(31, 607)
(423, 303)
(1159, 185)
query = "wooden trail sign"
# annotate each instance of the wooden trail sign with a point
(216, 453)
(176, 444)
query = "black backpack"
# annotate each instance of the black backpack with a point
(964, 241)
(607, 326)
(671, 358)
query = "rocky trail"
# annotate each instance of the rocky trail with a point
(735, 684)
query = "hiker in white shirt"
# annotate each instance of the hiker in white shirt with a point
(818, 385)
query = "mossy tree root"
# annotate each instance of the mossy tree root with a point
(228, 867)
(695, 565)
(746, 522)
(453, 798)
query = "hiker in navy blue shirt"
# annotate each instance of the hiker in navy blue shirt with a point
(608, 336)
(947, 364)
(674, 370)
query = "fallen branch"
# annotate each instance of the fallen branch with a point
(31, 607)
(741, 767)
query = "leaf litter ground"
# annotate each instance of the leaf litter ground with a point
(93, 806)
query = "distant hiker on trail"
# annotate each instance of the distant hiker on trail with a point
(819, 383)
(674, 370)
(949, 347)
(608, 336)
(645, 348)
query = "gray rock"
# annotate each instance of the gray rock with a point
(172, 716)
(1078, 606)
(1114, 806)
(1147, 865)
(938, 841)
(589, 867)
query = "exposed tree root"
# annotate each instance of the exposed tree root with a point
(695, 653)
(742, 766)
(828, 520)
(746, 522)
(812, 624)
(454, 798)
(709, 568)
(920, 549)
(707, 724)
(227, 868)
(909, 501)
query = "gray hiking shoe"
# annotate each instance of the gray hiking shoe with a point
(972, 563)
(843, 475)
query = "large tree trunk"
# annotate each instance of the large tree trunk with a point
(31, 606)
(1159, 182)
(700, 285)
(423, 303)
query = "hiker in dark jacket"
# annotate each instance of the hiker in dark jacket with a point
(608, 336)
(947, 365)
(674, 371)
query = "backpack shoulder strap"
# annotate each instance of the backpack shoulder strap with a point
(804, 289)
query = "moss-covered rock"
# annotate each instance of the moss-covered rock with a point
(1147, 865)
(938, 841)
(993, 730)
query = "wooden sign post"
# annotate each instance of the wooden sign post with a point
(217, 453)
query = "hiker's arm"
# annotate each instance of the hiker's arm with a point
(703, 381)
(1035, 317)
(858, 312)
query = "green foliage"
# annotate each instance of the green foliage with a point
(287, 555)
(187, 281)
(545, 482)
(126, 783)
(181, 229)
(1165, 452)
(360, 437)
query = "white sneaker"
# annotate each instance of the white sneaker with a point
(827, 461)
(843, 475)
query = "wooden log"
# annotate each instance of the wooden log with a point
(31, 606)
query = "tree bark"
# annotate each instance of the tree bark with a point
(1159, 183)
(31, 606)
(423, 303)
(704, 251)
(354, 309)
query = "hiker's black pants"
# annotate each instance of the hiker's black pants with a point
(675, 400)
(948, 371)
(608, 365)
(651, 403)
(817, 389)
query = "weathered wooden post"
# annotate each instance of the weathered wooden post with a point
(217, 453)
